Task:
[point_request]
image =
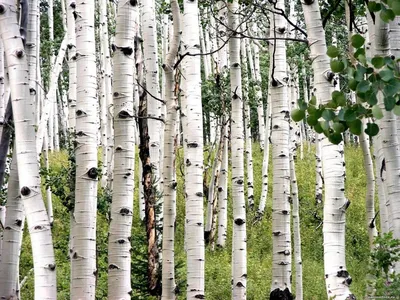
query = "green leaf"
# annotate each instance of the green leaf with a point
(298, 114)
(328, 115)
(324, 125)
(313, 100)
(377, 112)
(332, 52)
(338, 127)
(355, 127)
(396, 7)
(372, 129)
(312, 120)
(339, 98)
(396, 110)
(349, 115)
(387, 15)
(302, 105)
(357, 41)
(392, 87)
(337, 66)
(390, 103)
(373, 6)
(363, 86)
(371, 98)
(335, 138)
(378, 62)
(353, 84)
(386, 74)
(318, 128)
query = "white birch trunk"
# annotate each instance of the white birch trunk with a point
(280, 136)
(150, 52)
(106, 65)
(14, 224)
(258, 95)
(71, 65)
(48, 107)
(83, 254)
(221, 30)
(31, 46)
(119, 247)
(193, 140)
(265, 166)
(336, 275)
(28, 169)
(223, 191)
(296, 230)
(239, 257)
(247, 128)
(48, 190)
(169, 171)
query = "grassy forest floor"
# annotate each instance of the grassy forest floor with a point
(218, 263)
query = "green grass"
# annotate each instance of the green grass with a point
(218, 263)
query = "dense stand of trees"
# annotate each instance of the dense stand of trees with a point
(110, 82)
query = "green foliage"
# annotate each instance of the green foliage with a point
(385, 254)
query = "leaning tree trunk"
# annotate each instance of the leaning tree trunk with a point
(193, 139)
(83, 251)
(121, 211)
(337, 278)
(239, 253)
(28, 168)
(169, 172)
(281, 235)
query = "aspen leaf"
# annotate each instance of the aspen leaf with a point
(332, 52)
(298, 115)
(372, 129)
(377, 112)
(357, 41)
(355, 127)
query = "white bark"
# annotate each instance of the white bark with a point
(318, 169)
(221, 29)
(169, 171)
(336, 275)
(28, 169)
(239, 262)
(150, 52)
(119, 258)
(48, 189)
(32, 46)
(296, 230)
(247, 128)
(71, 65)
(258, 94)
(223, 191)
(265, 166)
(281, 235)
(14, 224)
(83, 252)
(193, 140)
(106, 66)
(48, 106)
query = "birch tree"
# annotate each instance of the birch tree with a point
(239, 258)
(337, 277)
(281, 236)
(83, 251)
(119, 262)
(193, 140)
(28, 169)
(169, 173)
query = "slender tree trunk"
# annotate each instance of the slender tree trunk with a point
(281, 236)
(83, 263)
(28, 169)
(247, 128)
(239, 257)
(119, 246)
(71, 65)
(169, 172)
(193, 140)
(337, 277)
(14, 224)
